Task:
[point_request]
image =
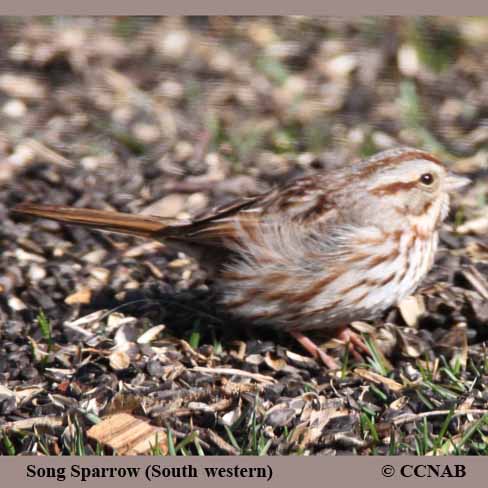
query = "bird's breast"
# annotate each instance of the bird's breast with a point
(366, 273)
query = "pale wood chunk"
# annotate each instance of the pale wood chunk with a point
(411, 309)
(128, 435)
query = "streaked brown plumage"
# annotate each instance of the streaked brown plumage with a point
(317, 253)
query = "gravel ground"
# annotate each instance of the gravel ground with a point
(171, 116)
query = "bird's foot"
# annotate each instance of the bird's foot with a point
(315, 350)
(354, 342)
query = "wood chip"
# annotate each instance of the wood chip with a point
(6, 392)
(150, 334)
(49, 154)
(301, 361)
(399, 403)
(86, 320)
(276, 364)
(81, 297)
(142, 249)
(22, 255)
(119, 360)
(363, 327)
(16, 304)
(232, 416)
(95, 257)
(378, 379)
(101, 274)
(179, 263)
(412, 308)
(156, 272)
(117, 320)
(26, 87)
(317, 422)
(168, 207)
(128, 435)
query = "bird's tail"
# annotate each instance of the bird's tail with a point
(122, 223)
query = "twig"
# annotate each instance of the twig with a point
(235, 372)
(26, 424)
(477, 281)
(412, 417)
(210, 436)
(49, 154)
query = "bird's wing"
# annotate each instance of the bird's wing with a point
(301, 202)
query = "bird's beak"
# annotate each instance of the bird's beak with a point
(455, 182)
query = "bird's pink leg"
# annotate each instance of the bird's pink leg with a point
(314, 350)
(354, 341)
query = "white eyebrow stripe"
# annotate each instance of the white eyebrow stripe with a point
(406, 173)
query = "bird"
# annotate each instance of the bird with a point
(315, 253)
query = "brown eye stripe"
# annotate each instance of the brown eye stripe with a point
(393, 188)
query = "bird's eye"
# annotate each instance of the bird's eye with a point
(427, 179)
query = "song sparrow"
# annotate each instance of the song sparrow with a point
(317, 253)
